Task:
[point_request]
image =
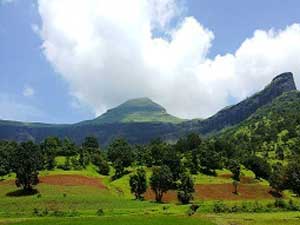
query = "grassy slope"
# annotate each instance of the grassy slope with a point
(130, 220)
(136, 110)
(118, 205)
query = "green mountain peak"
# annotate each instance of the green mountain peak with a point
(136, 110)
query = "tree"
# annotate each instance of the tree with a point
(84, 157)
(68, 148)
(235, 169)
(210, 160)
(143, 155)
(185, 188)
(161, 181)
(260, 167)
(193, 140)
(235, 184)
(101, 163)
(138, 183)
(50, 147)
(277, 178)
(157, 148)
(171, 159)
(192, 161)
(6, 149)
(26, 163)
(90, 142)
(189, 143)
(293, 176)
(279, 150)
(121, 155)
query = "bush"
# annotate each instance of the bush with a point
(220, 207)
(280, 203)
(101, 163)
(185, 189)
(100, 212)
(138, 183)
(40, 213)
(193, 209)
(293, 206)
(75, 164)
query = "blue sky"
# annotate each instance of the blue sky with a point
(32, 90)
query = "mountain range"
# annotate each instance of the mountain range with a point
(141, 120)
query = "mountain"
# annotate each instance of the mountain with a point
(141, 120)
(274, 126)
(135, 111)
(235, 114)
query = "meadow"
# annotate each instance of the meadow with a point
(85, 197)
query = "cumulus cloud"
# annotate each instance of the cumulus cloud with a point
(28, 91)
(111, 51)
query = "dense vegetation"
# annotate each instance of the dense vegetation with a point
(142, 120)
(172, 164)
(265, 145)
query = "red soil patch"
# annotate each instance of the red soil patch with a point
(170, 196)
(225, 192)
(65, 180)
(72, 180)
(220, 192)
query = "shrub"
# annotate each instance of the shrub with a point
(138, 183)
(220, 207)
(280, 203)
(100, 212)
(185, 188)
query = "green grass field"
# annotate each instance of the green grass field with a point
(80, 204)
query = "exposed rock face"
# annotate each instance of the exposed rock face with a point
(241, 111)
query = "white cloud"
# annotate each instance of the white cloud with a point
(109, 51)
(28, 91)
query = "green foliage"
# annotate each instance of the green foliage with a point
(121, 155)
(171, 159)
(210, 160)
(26, 163)
(102, 165)
(90, 142)
(277, 178)
(161, 181)
(6, 150)
(135, 110)
(293, 176)
(192, 161)
(185, 188)
(68, 148)
(50, 148)
(235, 169)
(138, 183)
(273, 127)
(189, 143)
(260, 167)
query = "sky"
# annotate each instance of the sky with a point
(63, 61)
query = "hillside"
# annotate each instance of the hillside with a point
(135, 111)
(235, 114)
(274, 127)
(141, 120)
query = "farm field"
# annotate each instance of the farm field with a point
(84, 197)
